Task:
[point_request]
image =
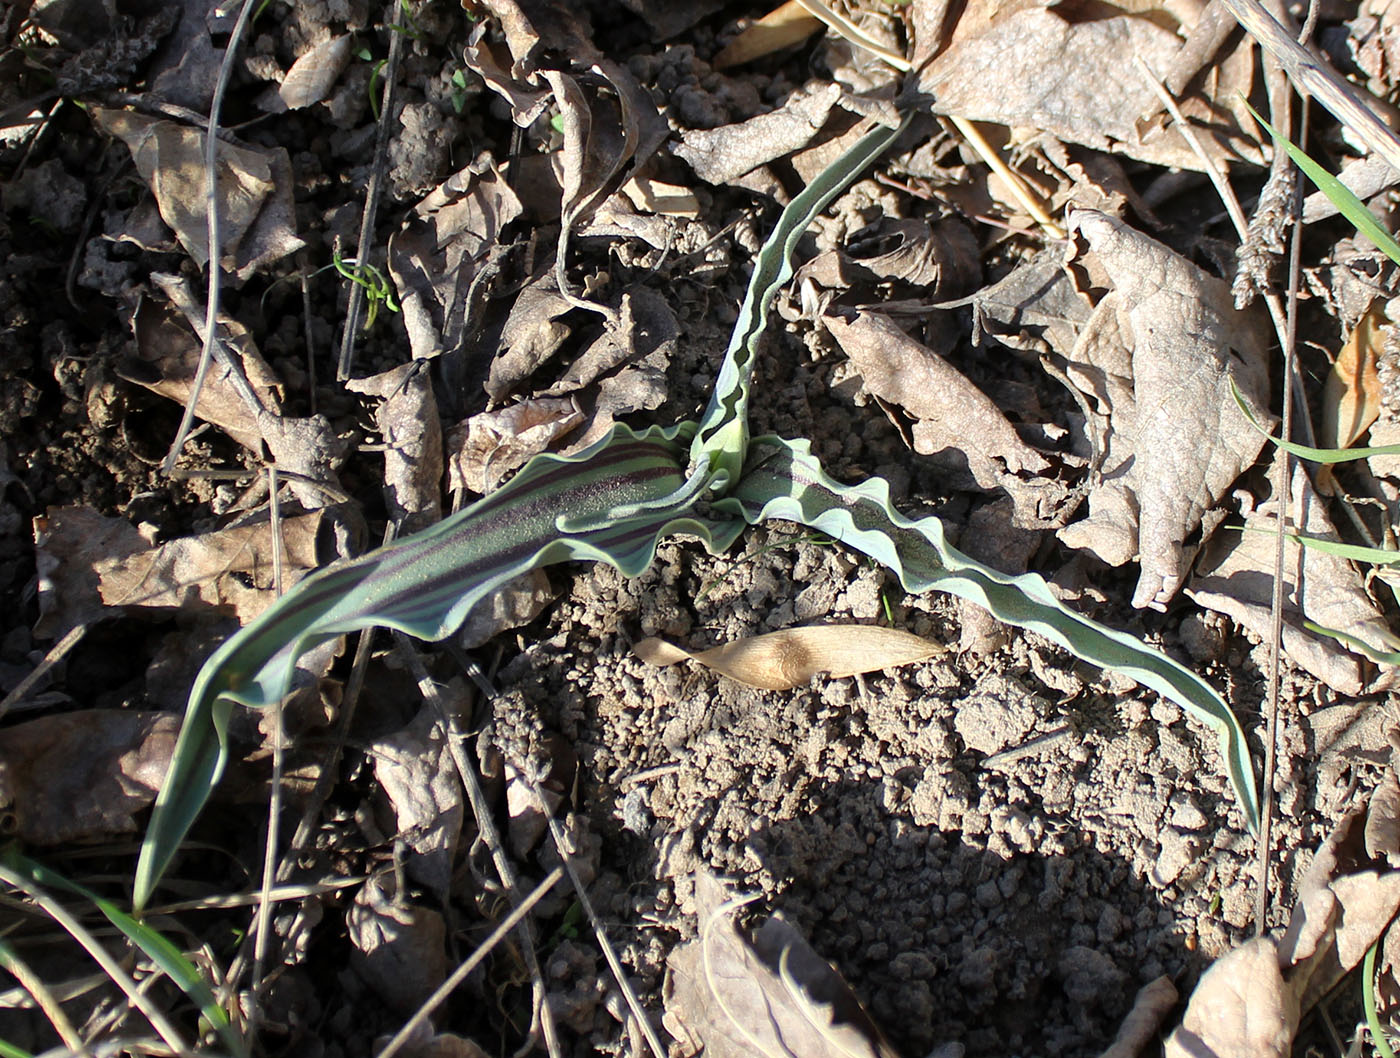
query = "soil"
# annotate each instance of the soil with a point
(996, 847)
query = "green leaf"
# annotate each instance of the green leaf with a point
(622, 495)
(1312, 455)
(1376, 654)
(786, 481)
(1337, 192)
(157, 948)
(724, 428)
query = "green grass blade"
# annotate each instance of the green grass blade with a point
(723, 436)
(1379, 656)
(788, 482)
(1337, 192)
(1356, 552)
(157, 948)
(1312, 455)
(425, 586)
(9, 1050)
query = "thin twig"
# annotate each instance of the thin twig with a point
(211, 208)
(376, 178)
(262, 922)
(1013, 180)
(56, 653)
(100, 955)
(459, 975)
(490, 837)
(44, 999)
(561, 844)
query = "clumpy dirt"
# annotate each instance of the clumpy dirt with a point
(996, 847)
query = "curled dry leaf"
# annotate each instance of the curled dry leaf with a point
(765, 995)
(1041, 65)
(254, 190)
(485, 448)
(779, 661)
(951, 415)
(1351, 396)
(94, 566)
(784, 26)
(312, 76)
(167, 357)
(1156, 362)
(1249, 1002)
(719, 156)
(82, 775)
(1235, 577)
(407, 419)
(399, 949)
(942, 258)
(444, 257)
(414, 766)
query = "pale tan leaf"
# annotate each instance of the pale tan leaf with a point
(768, 995)
(781, 28)
(485, 448)
(407, 418)
(312, 76)
(82, 775)
(398, 948)
(1351, 396)
(1242, 1008)
(779, 661)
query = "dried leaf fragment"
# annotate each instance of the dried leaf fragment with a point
(779, 661)
(766, 995)
(82, 775)
(485, 448)
(311, 77)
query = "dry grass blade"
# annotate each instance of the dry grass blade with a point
(1314, 77)
(853, 33)
(43, 998)
(779, 661)
(75, 929)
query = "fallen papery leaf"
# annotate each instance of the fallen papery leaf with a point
(487, 447)
(516, 602)
(167, 357)
(784, 26)
(1249, 1002)
(1156, 363)
(779, 661)
(95, 566)
(1235, 577)
(1351, 396)
(1044, 65)
(414, 766)
(446, 253)
(398, 948)
(82, 775)
(953, 416)
(254, 190)
(534, 331)
(765, 995)
(311, 77)
(407, 419)
(722, 155)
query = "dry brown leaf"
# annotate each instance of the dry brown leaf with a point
(1242, 1008)
(167, 357)
(1235, 577)
(516, 602)
(766, 995)
(1153, 1003)
(487, 447)
(656, 196)
(779, 661)
(784, 26)
(82, 775)
(943, 259)
(399, 949)
(1156, 363)
(254, 190)
(414, 766)
(534, 332)
(1351, 396)
(444, 257)
(1054, 67)
(952, 415)
(1249, 1002)
(407, 419)
(722, 155)
(314, 74)
(100, 566)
